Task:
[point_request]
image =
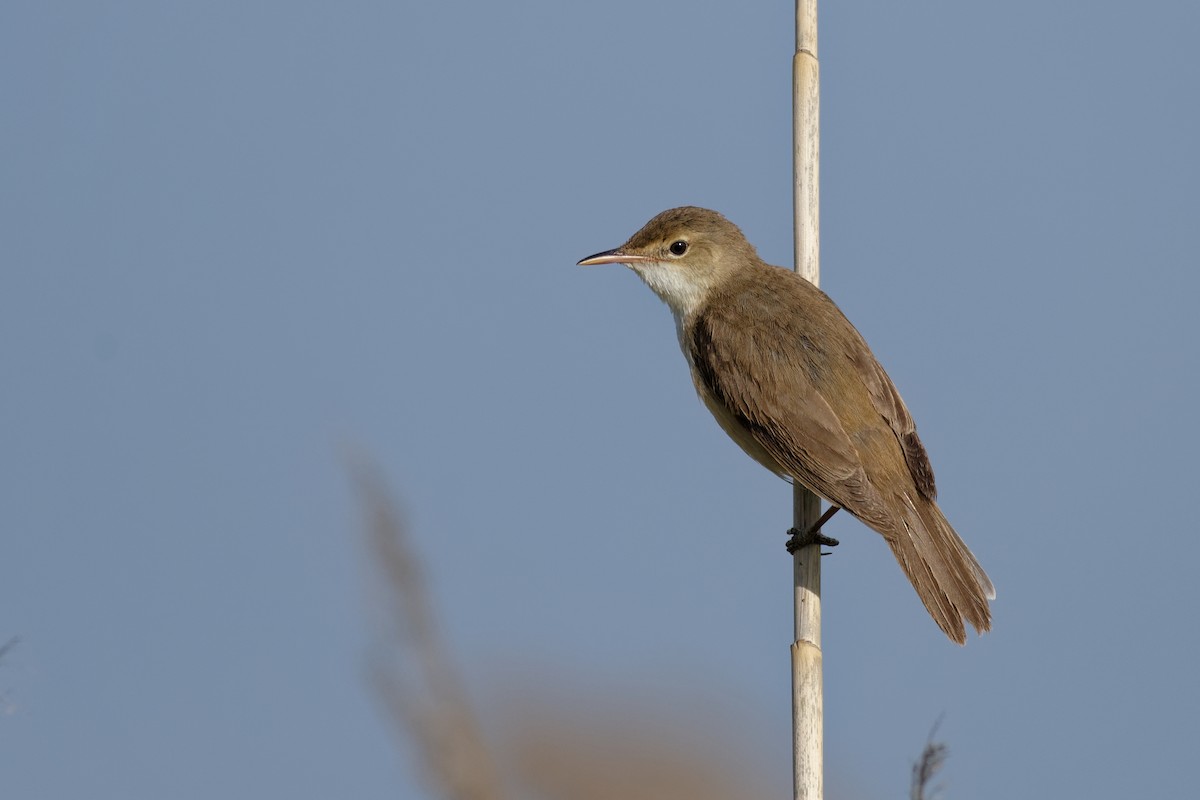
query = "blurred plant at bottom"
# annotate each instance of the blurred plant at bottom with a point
(592, 749)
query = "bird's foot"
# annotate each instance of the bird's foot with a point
(800, 539)
(813, 535)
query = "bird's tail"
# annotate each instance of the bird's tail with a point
(946, 575)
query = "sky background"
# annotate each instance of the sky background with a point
(238, 239)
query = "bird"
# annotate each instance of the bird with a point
(794, 384)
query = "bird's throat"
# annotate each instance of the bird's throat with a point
(680, 291)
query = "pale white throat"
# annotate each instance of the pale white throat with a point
(682, 289)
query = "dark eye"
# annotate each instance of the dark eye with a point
(678, 248)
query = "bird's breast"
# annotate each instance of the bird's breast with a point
(733, 426)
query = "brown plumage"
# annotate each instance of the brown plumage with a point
(794, 384)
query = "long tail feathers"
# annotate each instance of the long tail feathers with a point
(947, 577)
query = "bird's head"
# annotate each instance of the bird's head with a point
(682, 254)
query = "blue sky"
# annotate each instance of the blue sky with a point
(239, 238)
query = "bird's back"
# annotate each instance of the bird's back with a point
(798, 374)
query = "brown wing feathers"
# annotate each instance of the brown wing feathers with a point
(844, 433)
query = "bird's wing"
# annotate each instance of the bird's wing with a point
(761, 374)
(890, 405)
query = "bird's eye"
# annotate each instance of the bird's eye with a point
(678, 248)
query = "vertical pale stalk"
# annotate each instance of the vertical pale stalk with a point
(807, 706)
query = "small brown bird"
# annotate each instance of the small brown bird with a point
(794, 384)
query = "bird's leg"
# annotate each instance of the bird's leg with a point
(813, 535)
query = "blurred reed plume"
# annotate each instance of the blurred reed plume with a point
(408, 667)
(581, 746)
(933, 757)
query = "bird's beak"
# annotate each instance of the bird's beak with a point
(612, 257)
